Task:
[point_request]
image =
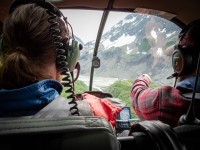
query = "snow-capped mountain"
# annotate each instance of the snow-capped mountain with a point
(130, 46)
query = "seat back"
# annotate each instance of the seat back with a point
(151, 135)
(189, 135)
(73, 133)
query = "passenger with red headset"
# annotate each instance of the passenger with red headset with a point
(168, 103)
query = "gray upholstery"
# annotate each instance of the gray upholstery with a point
(72, 133)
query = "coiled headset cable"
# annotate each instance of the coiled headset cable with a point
(61, 59)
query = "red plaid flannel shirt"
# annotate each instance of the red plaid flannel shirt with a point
(164, 103)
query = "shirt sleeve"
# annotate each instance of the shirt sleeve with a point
(163, 103)
(145, 100)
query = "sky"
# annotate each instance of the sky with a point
(85, 23)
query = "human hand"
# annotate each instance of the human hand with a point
(146, 77)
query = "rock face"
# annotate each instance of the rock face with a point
(135, 45)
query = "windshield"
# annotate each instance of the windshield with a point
(132, 44)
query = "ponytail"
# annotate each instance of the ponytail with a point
(18, 70)
(28, 47)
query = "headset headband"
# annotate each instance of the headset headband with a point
(41, 3)
(185, 35)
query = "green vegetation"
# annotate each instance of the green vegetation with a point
(144, 46)
(80, 87)
(120, 89)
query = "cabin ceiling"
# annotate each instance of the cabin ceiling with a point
(185, 10)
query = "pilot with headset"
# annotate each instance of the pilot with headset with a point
(168, 103)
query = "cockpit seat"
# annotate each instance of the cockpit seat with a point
(68, 133)
(152, 135)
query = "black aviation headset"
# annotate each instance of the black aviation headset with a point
(185, 56)
(67, 50)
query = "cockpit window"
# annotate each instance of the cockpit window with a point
(138, 44)
(132, 44)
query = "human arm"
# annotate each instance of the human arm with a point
(163, 103)
(145, 100)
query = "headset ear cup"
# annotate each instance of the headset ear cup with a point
(73, 55)
(182, 61)
(178, 62)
